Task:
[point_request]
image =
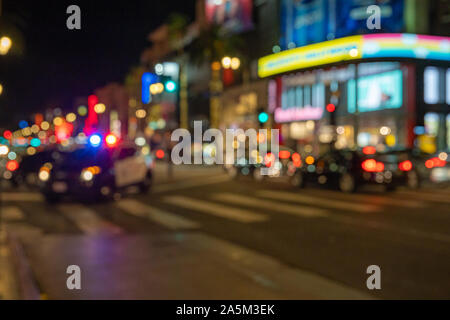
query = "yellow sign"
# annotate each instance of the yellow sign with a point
(349, 48)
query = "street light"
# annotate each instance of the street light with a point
(235, 63)
(5, 45)
(226, 62)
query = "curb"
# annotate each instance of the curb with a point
(28, 286)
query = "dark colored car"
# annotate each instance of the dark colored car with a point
(29, 168)
(266, 166)
(348, 169)
(95, 173)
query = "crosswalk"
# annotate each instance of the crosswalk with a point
(185, 212)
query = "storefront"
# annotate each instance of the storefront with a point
(384, 90)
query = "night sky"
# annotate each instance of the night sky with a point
(52, 65)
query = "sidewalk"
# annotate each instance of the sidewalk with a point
(9, 289)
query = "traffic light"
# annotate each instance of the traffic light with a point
(170, 85)
(263, 117)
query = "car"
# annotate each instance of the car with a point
(90, 173)
(349, 169)
(284, 167)
(27, 173)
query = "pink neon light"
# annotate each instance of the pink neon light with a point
(298, 114)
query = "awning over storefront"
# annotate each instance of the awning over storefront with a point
(371, 46)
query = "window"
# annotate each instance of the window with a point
(448, 86)
(431, 85)
(126, 153)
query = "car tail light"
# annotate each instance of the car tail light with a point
(284, 154)
(405, 166)
(435, 163)
(297, 160)
(369, 150)
(269, 159)
(371, 165)
(12, 165)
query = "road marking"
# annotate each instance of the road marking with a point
(303, 211)
(167, 219)
(88, 221)
(374, 199)
(12, 214)
(270, 273)
(326, 202)
(22, 196)
(426, 196)
(392, 228)
(215, 209)
(190, 184)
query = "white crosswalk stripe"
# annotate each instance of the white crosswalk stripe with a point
(373, 199)
(162, 217)
(12, 214)
(303, 211)
(190, 184)
(433, 197)
(215, 209)
(319, 201)
(88, 220)
(22, 196)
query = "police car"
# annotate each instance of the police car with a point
(96, 171)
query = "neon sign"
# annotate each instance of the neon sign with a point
(395, 45)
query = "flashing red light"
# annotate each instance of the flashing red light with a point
(12, 165)
(371, 165)
(160, 154)
(7, 134)
(369, 150)
(405, 166)
(284, 154)
(331, 108)
(111, 140)
(269, 158)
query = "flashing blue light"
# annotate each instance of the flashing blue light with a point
(23, 124)
(35, 142)
(171, 86)
(263, 117)
(95, 140)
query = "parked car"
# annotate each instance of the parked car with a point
(349, 169)
(263, 166)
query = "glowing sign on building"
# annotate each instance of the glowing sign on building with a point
(393, 45)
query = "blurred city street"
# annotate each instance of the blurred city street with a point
(211, 237)
(225, 150)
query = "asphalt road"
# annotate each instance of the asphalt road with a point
(201, 235)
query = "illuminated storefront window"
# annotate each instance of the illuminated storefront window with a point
(376, 92)
(448, 132)
(431, 85)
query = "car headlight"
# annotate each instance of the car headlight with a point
(88, 174)
(44, 172)
(44, 175)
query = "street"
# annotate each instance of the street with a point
(202, 235)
